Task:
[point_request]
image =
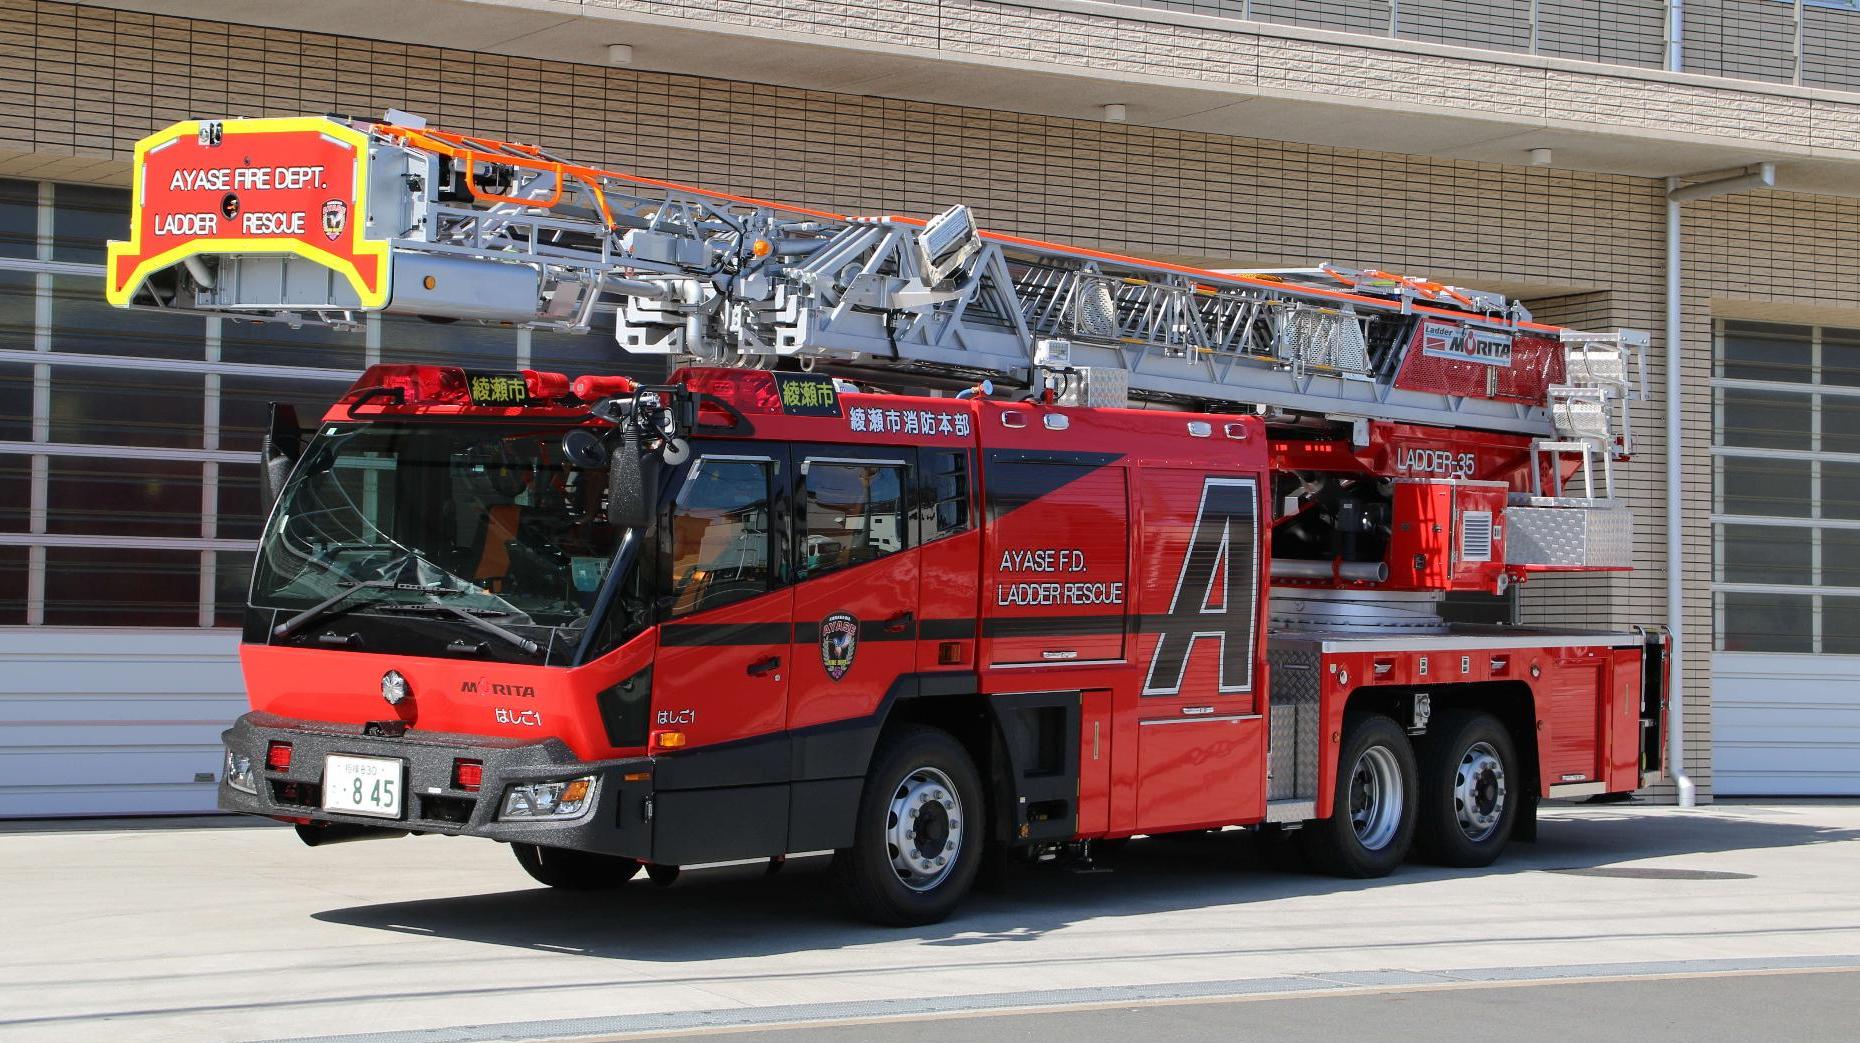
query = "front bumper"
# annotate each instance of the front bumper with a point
(618, 823)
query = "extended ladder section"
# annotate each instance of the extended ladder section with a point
(396, 218)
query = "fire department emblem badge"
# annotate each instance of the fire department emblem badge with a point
(335, 216)
(839, 642)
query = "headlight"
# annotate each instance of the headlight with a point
(239, 773)
(567, 799)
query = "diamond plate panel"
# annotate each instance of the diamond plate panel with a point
(1292, 756)
(1569, 537)
(1098, 387)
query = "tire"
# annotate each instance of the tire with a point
(890, 875)
(1469, 790)
(1372, 821)
(574, 870)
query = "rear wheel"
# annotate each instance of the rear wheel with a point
(917, 843)
(1372, 820)
(574, 870)
(1469, 795)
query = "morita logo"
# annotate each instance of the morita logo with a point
(1434, 461)
(487, 687)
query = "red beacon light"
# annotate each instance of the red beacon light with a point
(545, 386)
(747, 390)
(416, 385)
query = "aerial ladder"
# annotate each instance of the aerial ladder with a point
(325, 220)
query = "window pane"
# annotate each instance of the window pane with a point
(1765, 622)
(132, 497)
(16, 310)
(452, 344)
(232, 574)
(1840, 424)
(1840, 490)
(15, 493)
(16, 401)
(720, 536)
(83, 218)
(245, 406)
(126, 407)
(276, 344)
(1840, 625)
(1840, 357)
(1764, 419)
(1764, 554)
(947, 479)
(1760, 351)
(82, 321)
(855, 514)
(241, 512)
(19, 219)
(594, 352)
(114, 587)
(1840, 557)
(13, 562)
(1777, 488)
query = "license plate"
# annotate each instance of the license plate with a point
(362, 785)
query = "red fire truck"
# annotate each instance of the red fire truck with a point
(941, 547)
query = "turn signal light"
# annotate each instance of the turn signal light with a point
(668, 740)
(467, 775)
(278, 756)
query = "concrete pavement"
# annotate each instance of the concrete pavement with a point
(205, 934)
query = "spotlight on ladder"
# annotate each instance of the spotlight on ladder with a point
(947, 242)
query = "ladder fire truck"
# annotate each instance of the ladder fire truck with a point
(941, 547)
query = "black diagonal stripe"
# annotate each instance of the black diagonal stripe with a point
(1008, 486)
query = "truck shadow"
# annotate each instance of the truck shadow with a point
(739, 911)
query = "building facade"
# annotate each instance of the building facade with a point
(1397, 134)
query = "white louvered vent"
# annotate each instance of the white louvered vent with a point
(1476, 536)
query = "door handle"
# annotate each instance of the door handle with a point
(757, 669)
(897, 623)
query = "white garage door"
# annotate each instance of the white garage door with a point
(1785, 725)
(113, 721)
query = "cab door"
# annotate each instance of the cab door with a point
(856, 580)
(722, 669)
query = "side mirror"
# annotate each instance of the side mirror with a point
(632, 484)
(278, 453)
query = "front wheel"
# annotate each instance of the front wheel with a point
(1469, 790)
(574, 870)
(917, 843)
(1371, 823)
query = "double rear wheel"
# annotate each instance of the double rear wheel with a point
(1453, 801)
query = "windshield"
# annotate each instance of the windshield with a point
(488, 520)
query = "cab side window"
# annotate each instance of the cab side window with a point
(720, 535)
(852, 512)
(943, 506)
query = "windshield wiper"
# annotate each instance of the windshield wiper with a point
(434, 604)
(328, 605)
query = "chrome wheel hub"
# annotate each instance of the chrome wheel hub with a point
(1479, 791)
(1376, 798)
(923, 828)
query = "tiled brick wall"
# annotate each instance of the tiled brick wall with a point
(1744, 39)
(87, 82)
